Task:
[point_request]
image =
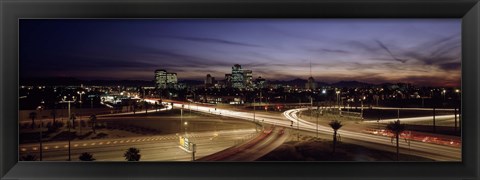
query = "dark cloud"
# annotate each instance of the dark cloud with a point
(177, 59)
(334, 51)
(324, 50)
(214, 40)
(437, 51)
(383, 46)
(450, 66)
(363, 46)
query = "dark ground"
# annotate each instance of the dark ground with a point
(321, 150)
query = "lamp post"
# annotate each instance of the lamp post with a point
(185, 124)
(455, 107)
(254, 113)
(361, 100)
(443, 93)
(41, 135)
(181, 118)
(80, 100)
(338, 97)
(298, 126)
(317, 122)
(69, 100)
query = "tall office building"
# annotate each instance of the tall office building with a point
(311, 84)
(237, 77)
(247, 78)
(164, 79)
(228, 80)
(208, 81)
(260, 83)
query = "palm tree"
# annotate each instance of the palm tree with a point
(397, 128)
(86, 157)
(32, 116)
(93, 119)
(132, 154)
(28, 157)
(53, 113)
(335, 125)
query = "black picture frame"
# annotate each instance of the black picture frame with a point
(12, 10)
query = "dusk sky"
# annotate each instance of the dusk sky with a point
(419, 51)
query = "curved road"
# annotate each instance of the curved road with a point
(432, 151)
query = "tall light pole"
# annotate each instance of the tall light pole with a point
(68, 100)
(338, 97)
(41, 135)
(185, 124)
(311, 106)
(434, 114)
(455, 107)
(361, 100)
(317, 124)
(444, 92)
(181, 119)
(298, 126)
(253, 109)
(80, 100)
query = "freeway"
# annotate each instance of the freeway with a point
(418, 119)
(432, 151)
(152, 148)
(276, 138)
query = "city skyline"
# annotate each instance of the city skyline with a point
(423, 52)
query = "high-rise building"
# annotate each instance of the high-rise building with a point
(237, 77)
(260, 83)
(164, 79)
(247, 78)
(311, 84)
(208, 81)
(227, 82)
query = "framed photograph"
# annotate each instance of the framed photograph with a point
(244, 90)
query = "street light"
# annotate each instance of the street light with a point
(181, 119)
(458, 97)
(444, 92)
(69, 100)
(298, 126)
(185, 124)
(80, 100)
(338, 94)
(254, 111)
(361, 100)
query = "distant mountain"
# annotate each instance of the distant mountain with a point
(131, 83)
(351, 84)
(69, 81)
(297, 82)
(192, 82)
(57, 81)
(293, 82)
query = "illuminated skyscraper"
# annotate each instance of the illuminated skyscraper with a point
(260, 83)
(237, 77)
(311, 84)
(164, 79)
(247, 78)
